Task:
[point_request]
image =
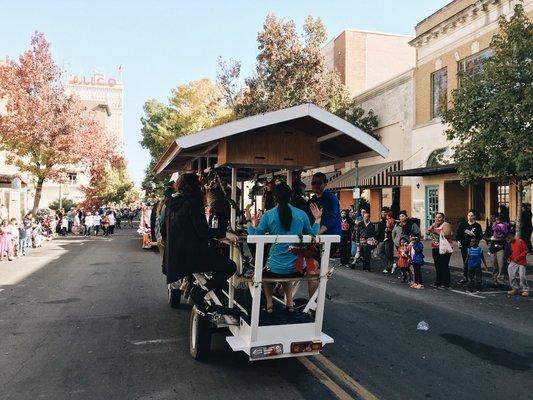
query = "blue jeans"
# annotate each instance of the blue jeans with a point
(23, 245)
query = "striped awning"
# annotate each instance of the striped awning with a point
(370, 176)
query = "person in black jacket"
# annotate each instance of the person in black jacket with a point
(466, 231)
(366, 234)
(190, 247)
(347, 226)
(527, 227)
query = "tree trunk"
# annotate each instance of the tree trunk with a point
(38, 192)
(520, 197)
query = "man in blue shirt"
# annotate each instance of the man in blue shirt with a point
(331, 215)
(327, 200)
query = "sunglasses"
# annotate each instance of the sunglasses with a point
(317, 183)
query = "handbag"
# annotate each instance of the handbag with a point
(444, 245)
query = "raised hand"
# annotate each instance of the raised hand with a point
(317, 212)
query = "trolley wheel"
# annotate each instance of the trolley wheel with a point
(200, 330)
(174, 297)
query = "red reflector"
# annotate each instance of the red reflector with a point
(306, 347)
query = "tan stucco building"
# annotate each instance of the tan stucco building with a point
(392, 102)
(455, 38)
(377, 69)
(365, 59)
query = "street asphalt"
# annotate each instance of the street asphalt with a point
(88, 318)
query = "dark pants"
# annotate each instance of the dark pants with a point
(366, 252)
(111, 229)
(406, 275)
(388, 249)
(223, 268)
(475, 276)
(96, 229)
(345, 248)
(417, 268)
(464, 254)
(442, 268)
(526, 237)
(119, 222)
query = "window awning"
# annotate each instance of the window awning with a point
(370, 176)
(426, 171)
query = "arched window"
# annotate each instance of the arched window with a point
(438, 157)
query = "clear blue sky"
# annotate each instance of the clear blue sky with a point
(162, 44)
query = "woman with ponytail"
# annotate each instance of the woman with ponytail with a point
(283, 219)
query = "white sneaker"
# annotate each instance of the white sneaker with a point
(393, 268)
(385, 271)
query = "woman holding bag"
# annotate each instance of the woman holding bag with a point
(441, 234)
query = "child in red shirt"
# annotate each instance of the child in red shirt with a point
(404, 261)
(517, 266)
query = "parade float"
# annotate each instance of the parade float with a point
(277, 143)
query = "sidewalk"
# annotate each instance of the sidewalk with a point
(456, 260)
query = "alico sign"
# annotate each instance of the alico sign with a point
(95, 80)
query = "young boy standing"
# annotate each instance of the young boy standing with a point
(474, 258)
(416, 252)
(517, 266)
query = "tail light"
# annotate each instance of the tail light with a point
(306, 347)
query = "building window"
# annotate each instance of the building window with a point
(438, 157)
(500, 198)
(473, 65)
(439, 92)
(478, 200)
(386, 197)
(72, 178)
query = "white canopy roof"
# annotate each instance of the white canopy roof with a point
(339, 140)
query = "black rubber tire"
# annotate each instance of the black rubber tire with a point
(174, 298)
(200, 331)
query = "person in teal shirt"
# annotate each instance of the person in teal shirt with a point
(283, 219)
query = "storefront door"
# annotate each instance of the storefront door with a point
(432, 204)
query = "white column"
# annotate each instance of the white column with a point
(289, 178)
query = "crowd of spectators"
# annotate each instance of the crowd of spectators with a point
(18, 236)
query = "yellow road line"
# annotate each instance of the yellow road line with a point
(345, 378)
(339, 392)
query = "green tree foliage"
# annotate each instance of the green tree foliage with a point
(67, 204)
(291, 70)
(491, 122)
(192, 107)
(114, 186)
(157, 134)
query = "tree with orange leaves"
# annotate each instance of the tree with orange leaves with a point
(44, 130)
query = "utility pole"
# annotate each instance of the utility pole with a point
(356, 191)
(60, 197)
